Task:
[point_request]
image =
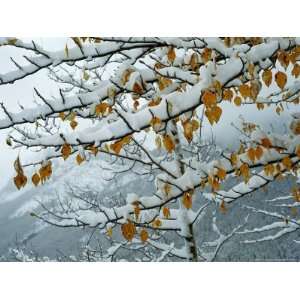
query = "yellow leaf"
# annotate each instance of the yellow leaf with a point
(128, 230)
(221, 173)
(296, 70)
(251, 153)
(269, 169)
(213, 114)
(166, 212)
(66, 151)
(156, 124)
(102, 108)
(251, 69)
(244, 169)
(209, 98)
(267, 77)
(137, 88)
(194, 62)
(283, 58)
(260, 106)
(79, 159)
(237, 101)
(137, 211)
(214, 183)
(20, 180)
(187, 200)
(168, 143)
(167, 189)
(163, 83)
(233, 159)
(259, 152)
(265, 142)
(188, 130)
(116, 147)
(281, 79)
(195, 125)
(255, 87)
(35, 179)
(227, 94)
(206, 55)
(95, 150)
(154, 102)
(144, 235)
(125, 76)
(287, 162)
(171, 55)
(45, 172)
(245, 90)
(62, 115)
(156, 223)
(217, 85)
(73, 124)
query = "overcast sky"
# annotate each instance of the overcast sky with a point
(22, 92)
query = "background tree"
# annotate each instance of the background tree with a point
(119, 96)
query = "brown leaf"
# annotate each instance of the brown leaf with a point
(227, 94)
(20, 180)
(35, 179)
(259, 152)
(245, 90)
(237, 101)
(128, 230)
(137, 88)
(168, 143)
(206, 55)
(79, 159)
(156, 223)
(194, 62)
(188, 130)
(171, 55)
(66, 151)
(187, 200)
(221, 173)
(296, 70)
(102, 108)
(73, 124)
(265, 142)
(281, 79)
(166, 212)
(287, 162)
(251, 153)
(267, 77)
(144, 235)
(209, 98)
(245, 172)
